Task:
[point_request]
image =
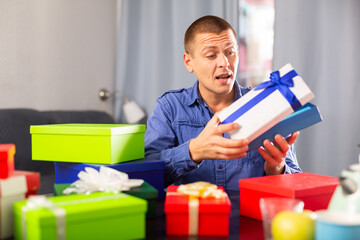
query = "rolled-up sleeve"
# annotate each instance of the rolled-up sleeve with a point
(291, 163)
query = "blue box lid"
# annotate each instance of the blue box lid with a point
(302, 118)
(138, 165)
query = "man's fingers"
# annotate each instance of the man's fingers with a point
(273, 151)
(281, 144)
(223, 128)
(229, 149)
(215, 146)
(290, 140)
(265, 154)
(233, 143)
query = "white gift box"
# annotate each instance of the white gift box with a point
(260, 109)
(12, 189)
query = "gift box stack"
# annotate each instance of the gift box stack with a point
(14, 186)
(79, 149)
(73, 147)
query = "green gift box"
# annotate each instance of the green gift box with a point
(88, 143)
(94, 216)
(145, 191)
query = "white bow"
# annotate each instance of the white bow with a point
(104, 180)
(40, 201)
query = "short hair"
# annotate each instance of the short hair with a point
(205, 24)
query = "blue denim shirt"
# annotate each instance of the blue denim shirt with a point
(179, 116)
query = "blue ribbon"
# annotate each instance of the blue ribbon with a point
(276, 83)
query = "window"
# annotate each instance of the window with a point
(256, 33)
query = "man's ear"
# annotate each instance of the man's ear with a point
(188, 62)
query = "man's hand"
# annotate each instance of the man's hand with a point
(275, 153)
(210, 144)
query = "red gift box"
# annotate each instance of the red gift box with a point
(7, 152)
(212, 214)
(32, 181)
(315, 190)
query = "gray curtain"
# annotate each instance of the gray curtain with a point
(321, 39)
(150, 46)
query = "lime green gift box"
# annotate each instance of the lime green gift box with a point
(145, 191)
(93, 216)
(88, 143)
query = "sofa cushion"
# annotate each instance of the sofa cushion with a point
(15, 128)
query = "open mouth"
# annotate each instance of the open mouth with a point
(223, 76)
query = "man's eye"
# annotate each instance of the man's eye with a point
(210, 56)
(230, 53)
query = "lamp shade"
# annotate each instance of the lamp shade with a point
(133, 112)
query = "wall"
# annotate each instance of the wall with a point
(321, 40)
(56, 55)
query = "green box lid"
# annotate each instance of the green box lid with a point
(87, 129)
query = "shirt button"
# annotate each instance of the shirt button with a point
(220, 166)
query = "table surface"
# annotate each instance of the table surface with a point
(243, 228)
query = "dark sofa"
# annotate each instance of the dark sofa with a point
(15, 128)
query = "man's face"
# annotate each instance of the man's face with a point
(214, 58)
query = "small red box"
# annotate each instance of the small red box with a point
(7, 152)
(32, 181)
(315, 190)
(213, 214)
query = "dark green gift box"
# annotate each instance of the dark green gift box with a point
(145, 191)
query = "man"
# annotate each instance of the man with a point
(184, 127)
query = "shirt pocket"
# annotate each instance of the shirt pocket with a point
(186, 130)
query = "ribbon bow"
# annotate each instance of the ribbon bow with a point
(195, 191)
(201, 190)
(40, 201)
(275, 83)
(104, 180)
(275, 79)
(282, 84)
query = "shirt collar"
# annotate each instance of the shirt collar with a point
(195, 93)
